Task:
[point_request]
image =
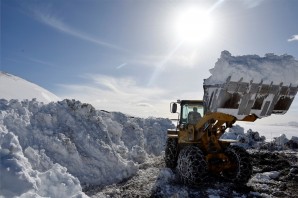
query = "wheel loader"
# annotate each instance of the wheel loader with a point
(195, 148)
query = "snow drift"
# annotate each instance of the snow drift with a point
(283, 68)
(74, 142)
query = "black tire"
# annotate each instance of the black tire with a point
(242, 167)
(191, 165)
(171, 153)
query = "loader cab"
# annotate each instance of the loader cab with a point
(188, 111)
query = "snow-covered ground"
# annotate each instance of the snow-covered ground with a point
(274, 176)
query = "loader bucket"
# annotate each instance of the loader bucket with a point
(242, 99)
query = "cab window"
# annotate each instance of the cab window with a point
(189, 115)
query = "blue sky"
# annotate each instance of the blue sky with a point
(126, 55)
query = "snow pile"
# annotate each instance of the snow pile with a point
(20, 178)
(264, 181)
(270, 68)
(13, 87)
(271, 130)
(282, 142)
(266, 176)
(250, 139)
(97, 147)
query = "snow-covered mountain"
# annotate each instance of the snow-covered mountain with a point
(13, 87)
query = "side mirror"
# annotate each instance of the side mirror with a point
(173, 107)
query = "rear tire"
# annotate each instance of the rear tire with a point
(192, 167)
(171, 153)
(242, 168)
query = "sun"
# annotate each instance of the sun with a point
(194, 25)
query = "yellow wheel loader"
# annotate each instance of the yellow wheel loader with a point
(195, 148)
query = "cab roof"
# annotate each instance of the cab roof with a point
(190, 101)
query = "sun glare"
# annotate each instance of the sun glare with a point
(194, 25)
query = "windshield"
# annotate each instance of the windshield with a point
(191, 113)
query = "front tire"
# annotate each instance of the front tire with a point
(241, 169)
(192, 167)
(171, 153)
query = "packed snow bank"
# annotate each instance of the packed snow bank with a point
(97, 147)
(13, 87)
(270, 68)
